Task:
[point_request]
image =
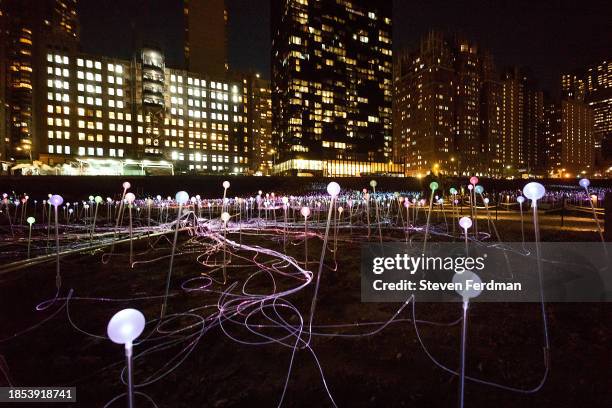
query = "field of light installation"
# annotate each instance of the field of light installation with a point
(254, 300)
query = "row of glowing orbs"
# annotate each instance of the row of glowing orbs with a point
(126, 325)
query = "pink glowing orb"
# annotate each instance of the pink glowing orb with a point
(305, 211)
(126, 185)
(473, 180)
(333, 189)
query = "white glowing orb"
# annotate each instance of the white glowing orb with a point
(126, 185)
(31, 220)
(534, 191)
(465, 222)
(485, 200)
(225, 217)
(470, 284)
(373, 183)
(305, 211)
(125, 326)
(130, 197)
(333, 189)
(520, 199)
(226, 184)
(182, 197)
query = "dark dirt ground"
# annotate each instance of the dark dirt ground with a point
(388, 369)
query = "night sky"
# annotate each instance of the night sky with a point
(548, 36)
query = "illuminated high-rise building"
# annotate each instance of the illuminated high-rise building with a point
(593, 85)
(569, 148)
(258, 114)
(447, 108)
(522, 136)
(105, 115)
(3, 74)
(205, 44)
(31, 28)
(573, 85)
(331, 86)
(599, 98)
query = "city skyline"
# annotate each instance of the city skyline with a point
(343, 98)
(543, 40)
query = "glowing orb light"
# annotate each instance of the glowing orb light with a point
(182, 197)
(98, 199)
(225, 217)
(30, 220)
(465, 222)
(584, 183)
(479, 189)
(305, 211)
(473, 180)
(534, 191)
(470, 187)
(125, 326)
(373, 183)
(453, 190)
(56, 200)
(130, 197)
(520, 199)
(226, 184)
(333, 189)
(433, 185)
(486, 200)
(470, 284)
(126, 185)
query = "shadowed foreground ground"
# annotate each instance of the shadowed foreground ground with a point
(388, 369)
